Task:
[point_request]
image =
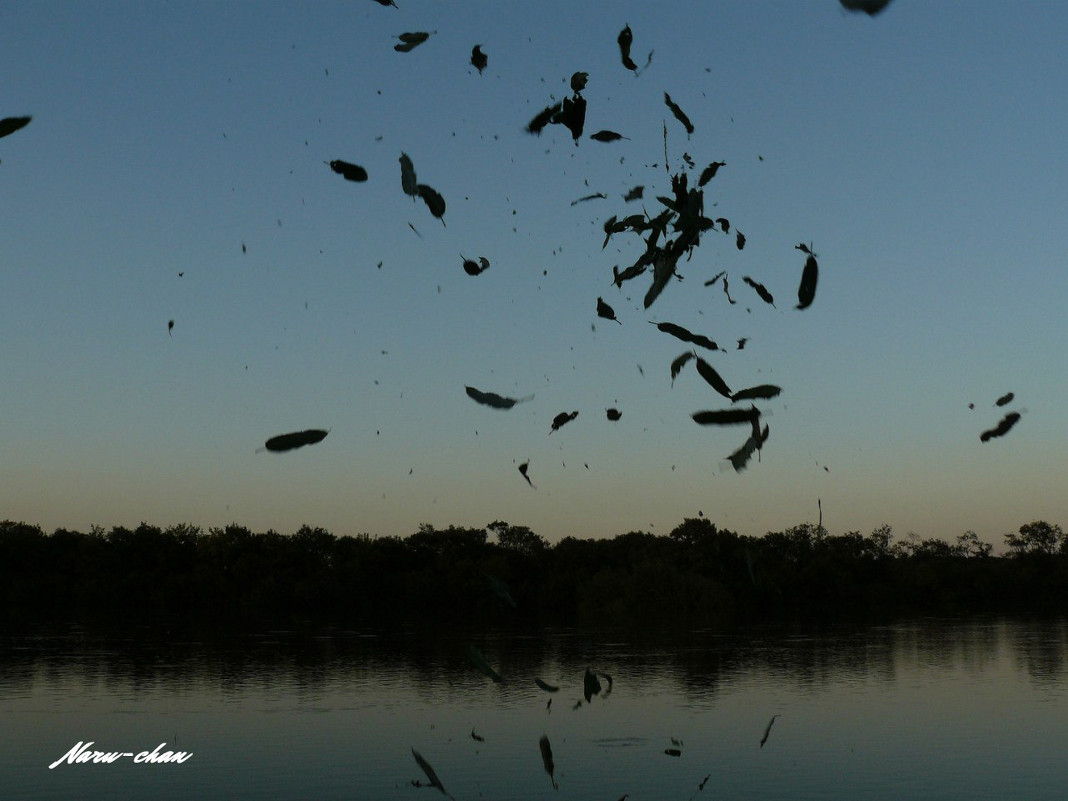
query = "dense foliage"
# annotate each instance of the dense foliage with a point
(698, 574)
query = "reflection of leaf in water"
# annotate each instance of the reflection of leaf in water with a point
(547, 759)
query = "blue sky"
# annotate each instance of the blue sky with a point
(921, 152)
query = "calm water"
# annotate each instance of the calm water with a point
(919, 710)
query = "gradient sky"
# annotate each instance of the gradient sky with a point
(922, 153)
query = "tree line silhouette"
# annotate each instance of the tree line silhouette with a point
(697, 574)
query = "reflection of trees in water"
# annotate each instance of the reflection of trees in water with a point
(1042, 649)
(431, 664)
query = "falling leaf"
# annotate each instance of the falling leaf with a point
(709, 374)
(740, 458)
(472, 267)
(409, 41)
(625, 40)
(170, 327)
(408, 183)
(634, 194)
(549, 688)
(606, 311)
(350, 172)
(869, 7)
(1002, 428)
(760, 290)
(606, 136)
(594, 196)
(523, 471)
(1006, 398)
(709, 172)
(725, 417)
(434, 201)
(761, 392)
(675, 752)
(477, 737)
(613, 414)
(562, 419)
(578, 81)
(679, 332)
(680, 115)
(297, 439)
(493, 399)
(8, 125)
(479, 60)
(543, 118)
(679, 363)
(806, 292)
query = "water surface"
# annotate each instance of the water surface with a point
(927, 709)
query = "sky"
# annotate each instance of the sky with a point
(176, 168)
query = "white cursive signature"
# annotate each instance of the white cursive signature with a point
(80, 754)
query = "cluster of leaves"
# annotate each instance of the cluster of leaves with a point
(698, 572)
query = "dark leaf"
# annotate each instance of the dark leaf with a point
(493, 399)
(408, 183)
(8, 125)
(713, 378)
(761, 392)
(606, 136)
(606, 311)
(1002, 428)
(410, 41)
(594, 196)
(680, 115)
(760, 290)
(625, 40)
(479, 60)
(297, 439)
(709, 172)
(869, 7)
(679, 363)
(679, 332)
(434, 201)
(806, 292)
(562, 419)
(726, 417)
(544, 117)
(350, 172)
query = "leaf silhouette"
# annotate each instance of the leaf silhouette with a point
(680, 115)
(8, 125)
(350, 172)
(806, 291)
(297, 439)
(408, 183)
(410, 41)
